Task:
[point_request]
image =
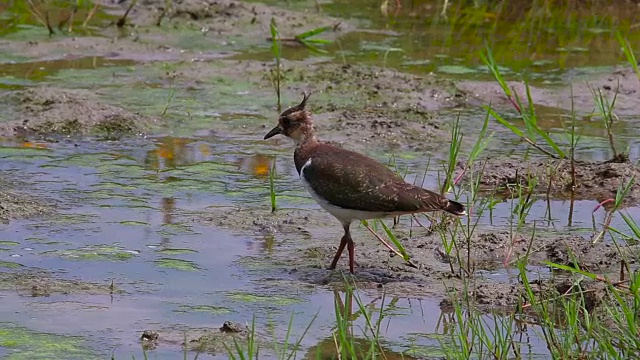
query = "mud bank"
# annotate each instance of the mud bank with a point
(227, 17)
(594, 180)
(16, 204)
(200, 340)
(578, 95)
(49, 110)
(39, 283)
(306, 241)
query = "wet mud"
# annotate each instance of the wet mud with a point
(54, 111)
(228, 17)
(360, 107)
(597, 181)
(308, 239)
(213, 341)
(16, 202)
(578, 95)
(40, 283)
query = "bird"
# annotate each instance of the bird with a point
(349, 185)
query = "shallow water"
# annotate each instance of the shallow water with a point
(121, 221)
(122, 207)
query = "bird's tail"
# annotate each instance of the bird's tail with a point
(454, 208)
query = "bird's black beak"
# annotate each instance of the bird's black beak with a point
(275, 131)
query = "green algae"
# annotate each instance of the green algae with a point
(89, 160)
(175, 251)
(95, 253)
(134, 223)
(10, 265)
(211, 309)
(21, 343)
(30, 153)
(177, 264)
(177, 229)
(257, 298)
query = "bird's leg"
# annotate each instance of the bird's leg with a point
(346, 240)
(343, 242)
(352, 251)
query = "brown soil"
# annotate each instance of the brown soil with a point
(394, 129)
(597, 181)
(307, 241)
(69, 112)
(204, 340)
(18, 204)
(579, 93)
(227, 18)
(35, 283)
(361, 106)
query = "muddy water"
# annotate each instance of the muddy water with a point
(121, 254)
(165, 225)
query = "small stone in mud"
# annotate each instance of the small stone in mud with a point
(149, 339)
(232, 327)
(149, 335)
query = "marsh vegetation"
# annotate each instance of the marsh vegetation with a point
(137, 194)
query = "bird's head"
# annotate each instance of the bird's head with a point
(294, 123)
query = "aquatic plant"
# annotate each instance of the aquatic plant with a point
(628, 52)
(623, 191)
(45, 12)
(606, 113)
(527, 113)
(276, 50)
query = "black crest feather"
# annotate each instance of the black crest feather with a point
(299, 107)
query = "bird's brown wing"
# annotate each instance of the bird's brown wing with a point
(353, 181)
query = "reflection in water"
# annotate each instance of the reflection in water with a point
(170, 152)
(40, 70)
(267, 243)
(427, 329)
(344, 342)
(22, 143)
(32, 145)
(168, 205)
(257, 164)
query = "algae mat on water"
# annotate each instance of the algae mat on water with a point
(21, 343)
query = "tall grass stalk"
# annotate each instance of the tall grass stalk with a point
(478, 335)
(521, 203)
(344, 338)
(123, 20)
(527, 113)
(287, 350)
(475, 206)
(276, 50)
(454, 151)
(628, 52)
(41, 18)
(622, 192)
(167, 103)
(251, 350)
(605, 108)
(400, 251)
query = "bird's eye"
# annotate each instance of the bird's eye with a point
(286, 122)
